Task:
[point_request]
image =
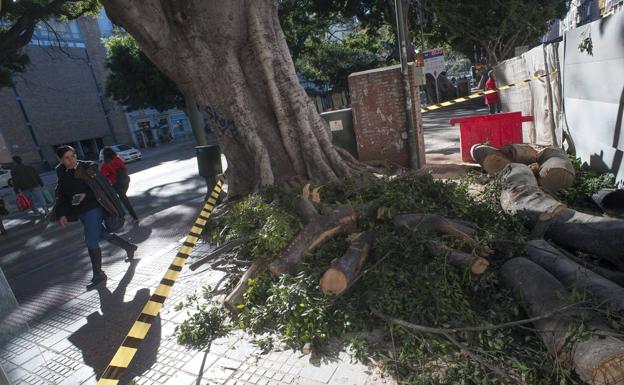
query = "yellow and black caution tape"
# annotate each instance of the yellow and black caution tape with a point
(138, 332)
(481, 93)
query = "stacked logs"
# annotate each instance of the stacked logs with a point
(551, 165)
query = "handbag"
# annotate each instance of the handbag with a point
(23, 203)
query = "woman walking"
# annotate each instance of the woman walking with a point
(116, 171)
(84, 194)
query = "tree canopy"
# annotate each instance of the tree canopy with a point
(134, 81)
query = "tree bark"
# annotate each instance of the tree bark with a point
(475, 264)
(233, 58)
(520, 153)
(597, 359)
(571, 229)
(344, 270)
(556, 171)
(574, 276)
(491, 159)
(317, 231)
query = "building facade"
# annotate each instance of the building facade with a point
(60, 99)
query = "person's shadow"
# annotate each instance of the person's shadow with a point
(104, 332)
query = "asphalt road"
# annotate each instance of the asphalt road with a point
(35, 251)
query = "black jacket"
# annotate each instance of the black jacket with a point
(99, 185)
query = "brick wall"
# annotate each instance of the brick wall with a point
(61, 99)
(378, 106)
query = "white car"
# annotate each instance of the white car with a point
(125, 152)
(5, 178)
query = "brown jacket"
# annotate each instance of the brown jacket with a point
(25, 177)
(103, 191)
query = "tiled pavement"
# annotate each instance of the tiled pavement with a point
(74, 343)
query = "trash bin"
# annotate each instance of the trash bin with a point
(209, 164)
(497, 130)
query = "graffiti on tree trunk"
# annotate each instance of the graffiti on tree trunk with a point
(225, 126)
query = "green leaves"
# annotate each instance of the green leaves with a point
(134, 81)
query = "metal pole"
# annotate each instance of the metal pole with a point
(437, 90)
(551, 107)
(414, 158)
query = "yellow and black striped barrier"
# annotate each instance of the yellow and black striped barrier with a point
(138, 332)
(482, 93)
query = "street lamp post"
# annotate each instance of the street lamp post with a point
(414, 161)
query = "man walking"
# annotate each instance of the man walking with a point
(26, 180)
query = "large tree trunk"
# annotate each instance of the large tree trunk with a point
(232, 56)
(569, 228)
(597, 359)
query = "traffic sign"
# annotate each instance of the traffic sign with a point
(434, 61)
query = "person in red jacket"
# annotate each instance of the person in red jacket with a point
(492, 100)
(115, 170)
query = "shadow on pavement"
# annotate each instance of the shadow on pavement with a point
(104, 332)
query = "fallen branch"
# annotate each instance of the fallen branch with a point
(597, 360)
(235, 297)
(340, 221)
(219, 251)
(477, 265)
(345, 269)
(441, 225)
(611, 275)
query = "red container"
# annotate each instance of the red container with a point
(497, 130)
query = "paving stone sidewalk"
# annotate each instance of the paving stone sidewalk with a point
(74, 343)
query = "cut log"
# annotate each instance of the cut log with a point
(534, 167)
(611, 201)
(611, 275)
(574, 276)
(441, 225)
(490, 158)
(556, 171)
(571, 229)
(475, 264)
(345, 269)
(341, 221)
(599, 360)
(235, 297)
(520, 153)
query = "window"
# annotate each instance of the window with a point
(123, 147)
(58, 32)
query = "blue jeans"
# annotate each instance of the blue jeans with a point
(92, 222)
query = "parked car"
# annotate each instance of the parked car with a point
(5, 178)
(125, 152)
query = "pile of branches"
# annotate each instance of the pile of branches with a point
(458, 293)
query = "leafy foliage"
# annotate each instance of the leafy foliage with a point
(207, 323)
(134, 81)
(587, 182)
(401, 279)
